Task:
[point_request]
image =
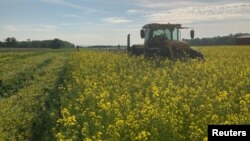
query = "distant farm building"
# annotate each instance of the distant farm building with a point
(243, 40)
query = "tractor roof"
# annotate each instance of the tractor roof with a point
(157, 25)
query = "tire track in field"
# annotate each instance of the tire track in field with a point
(9, 69)
(13, 57)
(10, 87)
(43, 124)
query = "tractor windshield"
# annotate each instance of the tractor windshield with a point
(171, 34)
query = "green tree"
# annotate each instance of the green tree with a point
(11, 42)
(56, 43)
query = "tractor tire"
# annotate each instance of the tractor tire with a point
(195, 54)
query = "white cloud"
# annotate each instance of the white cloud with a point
(29, 28)
(65, 24)
(192, 14)
(62, 2)
(44, 28)
(165, 5)
(75, 6)
(116, 20)
(132, 11)
(71, 15)
(81, 38)
(10, 28)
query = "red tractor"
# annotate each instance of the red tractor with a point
(163, 40)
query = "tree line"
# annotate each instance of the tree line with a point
(218, 40)
(11, 42)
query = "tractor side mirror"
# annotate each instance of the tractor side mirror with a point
(142, 33)
(192, 34)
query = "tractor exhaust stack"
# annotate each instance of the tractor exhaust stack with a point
(128, 42)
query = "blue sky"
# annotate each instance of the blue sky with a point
(95, 22)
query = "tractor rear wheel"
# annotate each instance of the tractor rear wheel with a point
(195, 54)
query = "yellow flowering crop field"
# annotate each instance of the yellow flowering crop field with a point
(101, 95)
(109, 96)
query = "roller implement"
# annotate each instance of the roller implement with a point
(163, 40)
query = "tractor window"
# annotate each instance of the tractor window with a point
(175, 34)
(158, 32)
(162, 32)
(167, 33)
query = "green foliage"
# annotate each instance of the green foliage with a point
(10, 41)
(29, 97)
(218, 40)
(21, 79)
(55, 44)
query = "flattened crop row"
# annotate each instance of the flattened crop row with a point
(8, 70)
(26, 115)
(8, 88)
(9, 58)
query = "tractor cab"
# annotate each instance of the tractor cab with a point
(169, 31)
(155, 35)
